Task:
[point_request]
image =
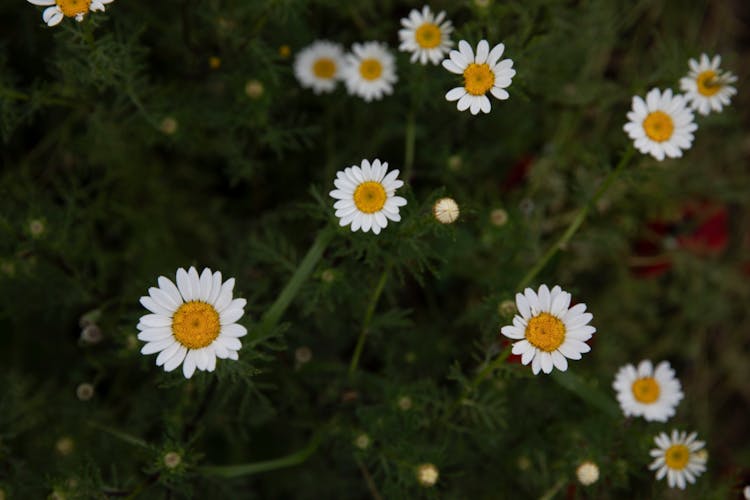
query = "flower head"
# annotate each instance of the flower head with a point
(678, 458)
(706, 87)
(446, 210)
(427, 475)
(548, 330)
(192, 323)
(370, 71)
(483, 72)
(587, 473)
(662, 125)
(647, 392)
(426, 36)
(318, 66)
(58, 9)
(366, 196)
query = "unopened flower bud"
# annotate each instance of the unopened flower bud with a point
(446, 210)
(254, 89)
(169, 125)
(36, 228)
(172, 459)
(65, 445)
(499, 217)
(362, 441)
(427, 475)
(588, 473)
(91, 334)
(85, 391)
(405, 403)
(303, 355)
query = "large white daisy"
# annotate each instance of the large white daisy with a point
(192, 323)
(648, 393)
(318, 66)
(370, 71)
(483, 72)
(426, 35)
(706, 87)
(548, 330)
(58, 9)
(366, 196)
(678, 458)
(662, 125)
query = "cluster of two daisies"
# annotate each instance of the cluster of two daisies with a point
(548, 331)
(369, 71)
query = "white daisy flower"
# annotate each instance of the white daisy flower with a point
(192, 323)
(370, 71)
(426, 36)
(548, 330)
(57, 9)
(366, 196)
(678, 458)
(648, 393)
(662, 125)
(483, 72)
(706, 87)
(318, 66)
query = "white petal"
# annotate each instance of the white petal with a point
(483, 50)
(188, 365)
(156, 320)
(234, 330)
(225, 296)
(205, 284)
(523, 306)
(42, 2)
(175, 360)
(547, 364)
(455, 94)
(466, 51)
(55, 17)
(156, 346)
(169, 288)
(183, 284)
(559, 361)
(167, 353)
(495, 54)
(230, 316)
(155, 307)
(151, 334)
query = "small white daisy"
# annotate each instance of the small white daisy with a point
(192, 323)
(426, 36)
(57, 9)
(548, 330)
(662, 125)
(370, 71)
(318, 66)
(648, 393)
(483, 72)
(706, 87)
(366, 196)
(678, 458)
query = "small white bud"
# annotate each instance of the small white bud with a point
(507, 308)
(588, 473)
(455, 162)
(405, 403)
(303, 355)
(172, 459)
(84, 391)
(446, 210)
(427, 475)
(169, 125)
(254, 89)
(362, 441)
(36, 228)
(65, 445)
(499, 217)
(746, 492)
(91, 334)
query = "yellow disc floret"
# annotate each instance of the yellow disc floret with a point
(428, 36)
(478, 79)
(658, 126)
(677, 456)
(72, 8)
(545, 332)
(324, 68)
(646, 390)
(196, 324)
(708, 83)
(370, 69)
(369, 197)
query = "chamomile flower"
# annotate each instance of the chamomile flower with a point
(58, 9)
(426, 36)
(647, 392)
(662, 125)
(370, 71)
(706, 87)
(483, 72)
(318, 66)
(366, 196)
(548, 330)
(192, 323)
(678, 457)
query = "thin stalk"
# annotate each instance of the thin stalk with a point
(488, 368)
(368, 319)
(303, 271)
(122, 436)
(409, 142)
(580, 217)
(296, 458)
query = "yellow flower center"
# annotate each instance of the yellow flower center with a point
(658, 126)
(708, 83)
(369, 197)
(72, 8)
(645, 390)
(428, 36)
(196, 324)
(545, 332)
(370, 69)
(478, 79)
(677, 456)
(324, 68)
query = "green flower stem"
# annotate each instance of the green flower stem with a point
(409, 141)
(368, 318)
(304, 269)
(580, 217)
(587, 392)
(229, 471)
(488, 368)
(122, 436)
